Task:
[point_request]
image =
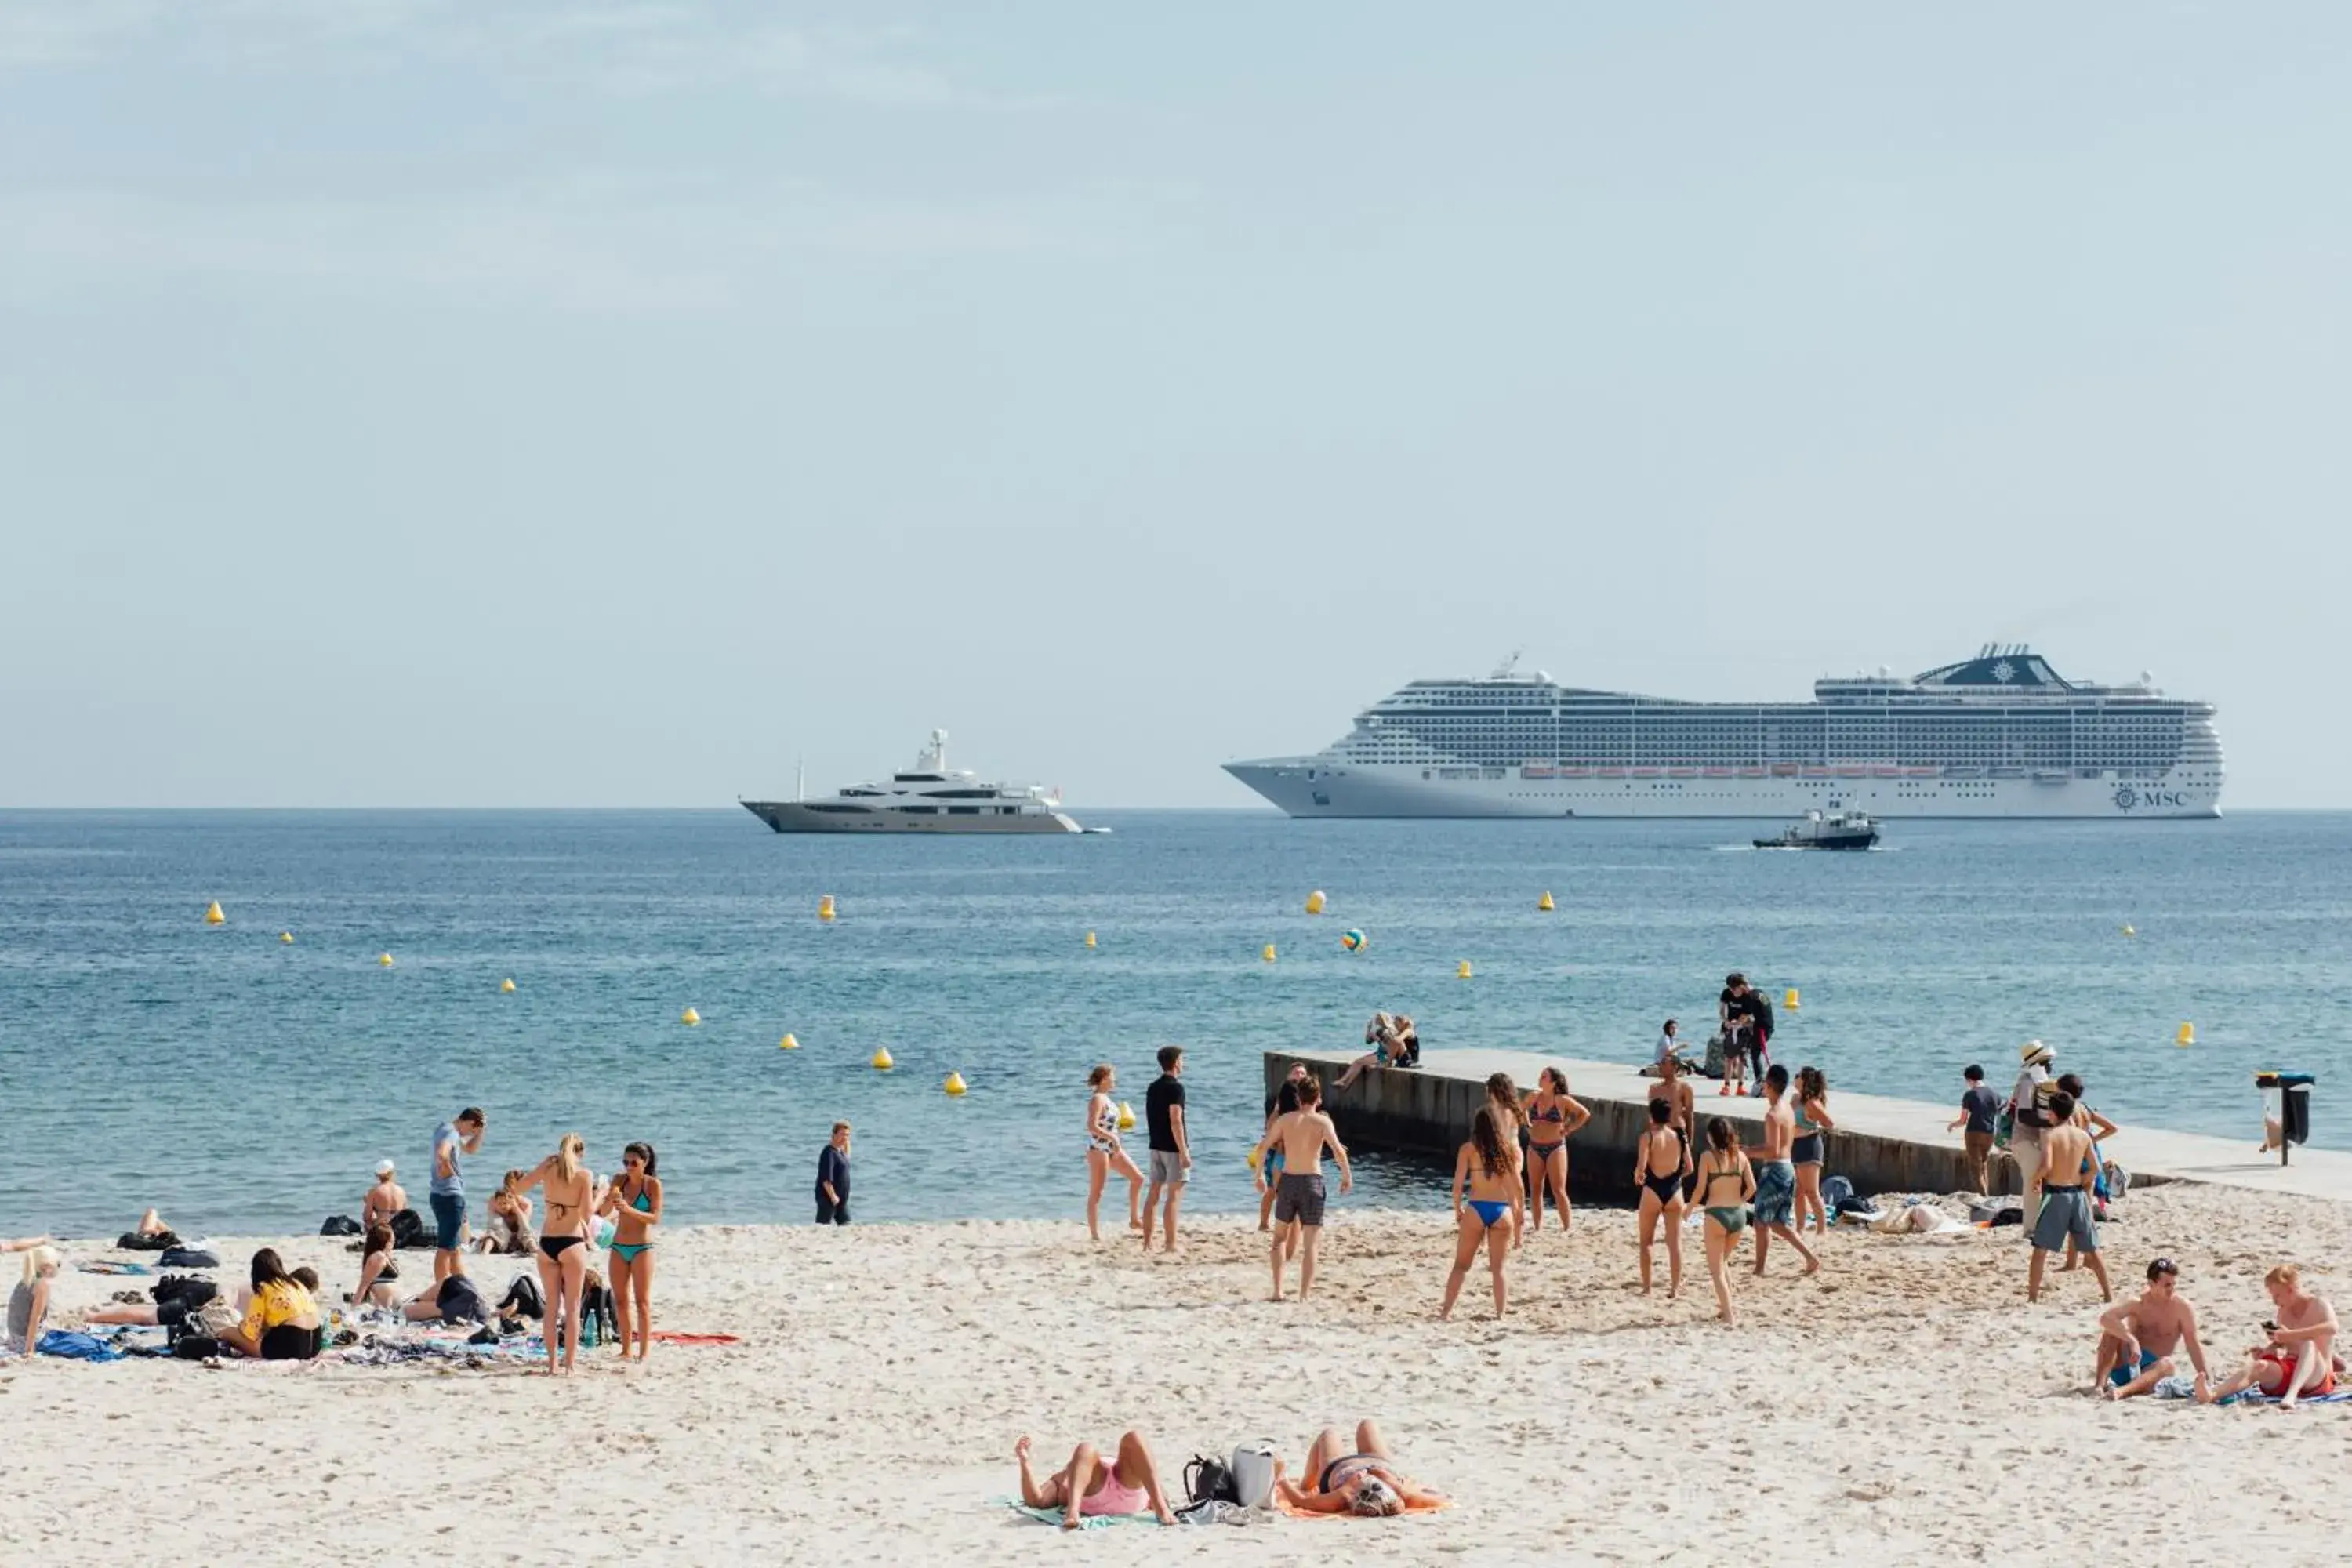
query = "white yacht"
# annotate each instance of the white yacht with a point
(927, 797)
(1999, 735)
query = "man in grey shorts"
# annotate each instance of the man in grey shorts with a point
(1301, 1137)
(1171, 1148)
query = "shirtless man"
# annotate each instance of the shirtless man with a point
(1301, 1136)
(2138, 1339)
(1675, 1091)
(2066, 1171)
(2300, 1357)
(1775, 1173)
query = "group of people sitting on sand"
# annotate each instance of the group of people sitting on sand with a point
(2141, 1339)
(1336, 1478)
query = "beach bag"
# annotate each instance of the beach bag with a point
(132, 1241)
(2004, 1128)
(340, 1224)
(1714, 1068)
(1253, 1474)
(1209, 1480)
(186, 1288)
(408, 1230)
(1837, 1194)
(187, 1257)
(215, 1318)
(196, 1347)
(2114, 1182)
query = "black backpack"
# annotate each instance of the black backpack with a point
(1211, 1480)
(340, 1224)
(1761, 1011)
(408, 1230)
(183, 1287)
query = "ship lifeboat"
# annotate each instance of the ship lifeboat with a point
(1809, 772)
(1922, 773)
(1572, 773)
(1885, 773)
(1535, 771)
(1720, 773)
(1851, 772)
(1643, 772)
(1751, 773)
(1682, 772)
(1608, 772)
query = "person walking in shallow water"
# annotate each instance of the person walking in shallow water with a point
(1105, 1153)
(833, 1178)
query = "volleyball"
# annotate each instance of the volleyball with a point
(1354, 940)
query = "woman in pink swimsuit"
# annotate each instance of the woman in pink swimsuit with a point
(1087, 1488)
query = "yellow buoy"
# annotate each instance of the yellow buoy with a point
(689, 1018)
(1463, 972)
(1315, 902)
(788, 1044)
(824, 908)
(286, 936)
(1125, 1117)
(2129, 932)
(1269, 953)
(384, 959)
(1544, 903)
(2185, 1035)
(213, 915)
(1090, 939)
(882, 1062)
(1789, 999)
(955, 1084)
(505, 987)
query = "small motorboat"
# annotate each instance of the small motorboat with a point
(1838, 831)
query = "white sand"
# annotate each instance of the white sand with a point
(1906, 1406)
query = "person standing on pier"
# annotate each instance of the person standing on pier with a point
(2029, 1110)
(1776, 1174)
(1731, 1014)
(1302, 1136)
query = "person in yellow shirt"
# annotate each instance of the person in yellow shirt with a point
(282, 1322)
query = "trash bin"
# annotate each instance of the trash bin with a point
(2286, 1106)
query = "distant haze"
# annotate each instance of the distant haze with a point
(425, 402)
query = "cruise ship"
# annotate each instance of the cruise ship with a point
(1999, 735)
(925, 798)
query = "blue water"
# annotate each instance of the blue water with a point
(247, 1084)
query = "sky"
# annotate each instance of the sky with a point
(605, 402)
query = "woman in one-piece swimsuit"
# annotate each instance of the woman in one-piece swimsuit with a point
(1487, 1199)
(1105, 1154)
(1553, 1119)
(634, 1202)
(1663, 1162)
(1726, 1185)
(563, 1241)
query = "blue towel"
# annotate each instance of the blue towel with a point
(1052, 1516)
(75, 1346)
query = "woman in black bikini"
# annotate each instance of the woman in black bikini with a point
(564, 1240)
(1661, 1162)
(1553, 1119)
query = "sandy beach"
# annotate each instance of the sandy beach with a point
(1904, 1406)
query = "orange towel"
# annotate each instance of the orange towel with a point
(1410, 1508)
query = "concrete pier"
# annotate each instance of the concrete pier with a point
(1881, 1144)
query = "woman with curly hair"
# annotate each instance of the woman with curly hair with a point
(1105, 1153)
(1489, 1212)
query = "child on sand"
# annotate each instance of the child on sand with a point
(1484, 1167)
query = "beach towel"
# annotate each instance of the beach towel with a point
(101, 1266)
(1052, 1516)
(667, 1337)
(75, 1346)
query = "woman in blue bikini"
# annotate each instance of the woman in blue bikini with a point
(634, 1202)
(1492, 1210)
(1553, 1118)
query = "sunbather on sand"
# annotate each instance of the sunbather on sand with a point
(2299, 1357)
(1363, 1479)
(2138, 1339)
(1087, 1487)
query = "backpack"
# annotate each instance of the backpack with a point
(1209, 1480)
(1761, 1011)
(1837, 1195)
(408, 1230)
(340, 1224)
(186, 1257)
(196, 1347)
(132, 1241)
(186, 1288)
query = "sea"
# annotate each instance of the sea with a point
(246, 1084)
